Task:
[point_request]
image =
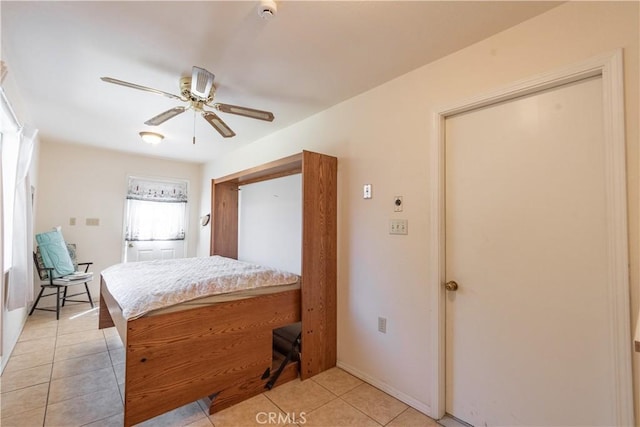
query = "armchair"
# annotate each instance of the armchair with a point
(62, 284)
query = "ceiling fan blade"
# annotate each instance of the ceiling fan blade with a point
(163, 117)
(218, 124)
(201, 83)
(139, 87)
(244, 111)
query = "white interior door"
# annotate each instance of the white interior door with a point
(154, 249)
(527, 338)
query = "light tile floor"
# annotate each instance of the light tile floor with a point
(70, 373)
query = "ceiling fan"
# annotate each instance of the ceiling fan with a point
(198, 91)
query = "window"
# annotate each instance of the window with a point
(156, 210)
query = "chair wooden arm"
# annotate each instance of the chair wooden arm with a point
(86, 264)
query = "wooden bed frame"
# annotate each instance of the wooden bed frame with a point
(224, 351)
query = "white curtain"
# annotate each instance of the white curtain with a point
(156, 209)
(20, 289)
(155, 220)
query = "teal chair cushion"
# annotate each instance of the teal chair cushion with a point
(55, 254)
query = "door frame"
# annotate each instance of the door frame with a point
(610, 67)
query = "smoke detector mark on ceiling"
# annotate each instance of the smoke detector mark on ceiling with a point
(267, 9)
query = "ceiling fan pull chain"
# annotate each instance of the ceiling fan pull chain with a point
(194, 127)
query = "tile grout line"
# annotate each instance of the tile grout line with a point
(337, 397)
(398, 416)
(359, 410)
(340, 397)
(264, 393)
(114, 368)
(53, 358)
(76, 357)
(60, 328)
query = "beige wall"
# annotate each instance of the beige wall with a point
(84, 182)
(382, 137)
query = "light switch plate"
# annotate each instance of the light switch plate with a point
(366, 191)
(399, 226)
(382, 325)
(92, 221)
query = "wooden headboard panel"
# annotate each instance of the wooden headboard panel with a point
(319, 244)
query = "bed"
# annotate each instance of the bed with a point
(223, 350)
(195, 328)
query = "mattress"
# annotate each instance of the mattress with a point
(147, 287)
(229, 296)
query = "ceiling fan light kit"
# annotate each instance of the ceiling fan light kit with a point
(198, 92)
(152, 138)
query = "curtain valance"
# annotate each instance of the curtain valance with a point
(157, 191)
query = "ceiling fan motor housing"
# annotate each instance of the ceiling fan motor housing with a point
(185, 90)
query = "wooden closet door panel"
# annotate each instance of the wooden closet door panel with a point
(224, 221)
(319, 263)
(319, 245)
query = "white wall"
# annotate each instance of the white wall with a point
(382, 137)
(270, 223)
(84, 182)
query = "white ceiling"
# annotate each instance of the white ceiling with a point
(312, 55)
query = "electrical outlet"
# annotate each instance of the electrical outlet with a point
(382, 325)
(72, 221)
(399, 226)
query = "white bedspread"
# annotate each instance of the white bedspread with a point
(140, 287)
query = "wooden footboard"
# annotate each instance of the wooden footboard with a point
(176, 358)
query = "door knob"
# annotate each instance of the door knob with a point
(451, 286)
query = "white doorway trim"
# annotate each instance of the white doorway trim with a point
(609, 66)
